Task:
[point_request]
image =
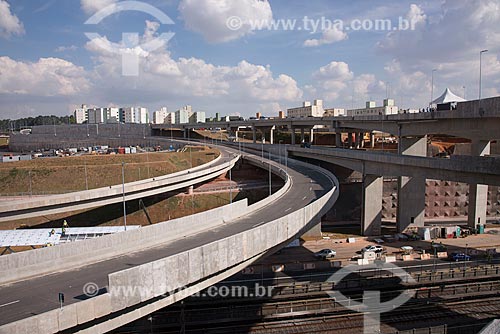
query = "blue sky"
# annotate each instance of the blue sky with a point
(48, 65)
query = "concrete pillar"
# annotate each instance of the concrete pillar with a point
(361, 140)
(478, 193)
(292, 135)
(371, 211)
(254, 134)
(184, 133)
(411, 190)
(302, 137)
(357, 140)
(372, 140)
(338, 139)
(190, 190)
(237, 136)
(314, 232)
(271, 136)
(311, 136)
(349, 140)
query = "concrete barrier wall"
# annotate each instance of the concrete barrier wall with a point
(127, 287)
(17, 266)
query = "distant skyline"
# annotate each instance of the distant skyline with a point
(217, 63)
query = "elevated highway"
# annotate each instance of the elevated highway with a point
(466, 169)
(184, 257)
(33, 207)
(464, 122)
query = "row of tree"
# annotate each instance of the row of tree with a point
(8, 125)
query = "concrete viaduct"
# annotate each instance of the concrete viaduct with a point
(132, 273)
(411, 166)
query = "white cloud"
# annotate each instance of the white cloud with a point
(92, 6)
(47, 77)
(210, 17)
(9, 23)
(449, 41)
(245, 86)
(329, 36)
(66, 48)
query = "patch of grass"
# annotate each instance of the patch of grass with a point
(61, 175)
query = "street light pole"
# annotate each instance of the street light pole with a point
(432, 87)
(481, 78)
(230, 187)
(123, 196)
(270, 186)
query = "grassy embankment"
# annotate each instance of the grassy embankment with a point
(62, 175)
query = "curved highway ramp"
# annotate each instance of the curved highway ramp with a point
(137, 272)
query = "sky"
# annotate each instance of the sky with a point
(239, 57)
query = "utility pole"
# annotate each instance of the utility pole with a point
(123, 196)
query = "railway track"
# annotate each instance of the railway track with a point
(432, 306)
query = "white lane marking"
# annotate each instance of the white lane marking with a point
(304, 198)
(7, 304)
(258, 224)
(288, 209)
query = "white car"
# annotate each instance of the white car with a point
(325, 253)
(373, 248)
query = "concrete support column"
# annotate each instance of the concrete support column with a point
(184, 133)
(271, 136)
(302, 136)
(292, 135)
(411, 190)
(237, 135)
(338, 139)
(361, 140)
(190, 190)
(372, 140)
(478, 193)
(371, 211)
(314, 232)
(349, 140)
(311, 136)
(254, 134)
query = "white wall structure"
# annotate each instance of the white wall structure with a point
(81, 114)
(307, 110)
(136, 115)
(371, 109)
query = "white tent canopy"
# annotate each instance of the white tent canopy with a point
(448, 97)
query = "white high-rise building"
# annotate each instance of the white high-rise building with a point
(182, 115)
(198, 117)
(159, 116)
(170, 119)
(307, 110)
(371, 109)
(96, 116)
(103, 115)
(81, 114)
(135, 115)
